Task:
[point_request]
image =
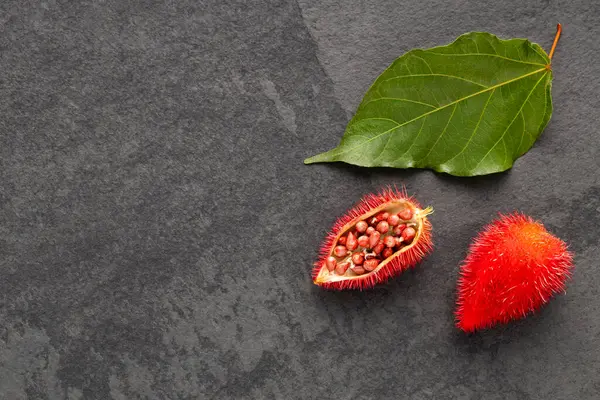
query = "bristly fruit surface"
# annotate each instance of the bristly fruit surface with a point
(514, 266)
(382, 236)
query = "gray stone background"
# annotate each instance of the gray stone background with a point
(158, 225)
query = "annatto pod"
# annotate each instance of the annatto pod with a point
(514, 266)
(382, 236)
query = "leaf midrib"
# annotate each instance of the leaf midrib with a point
(438, 109)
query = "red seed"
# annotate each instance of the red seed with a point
(361, 226)
(383, 227)
(398, 230)
(363, 241)
(358, 269)
(331, 263)
(374, 239)
(389, 241)
(378, 248)
(393, 220)
(408, 234)
(371, 264)
(351, 243)
(342, 268)
(340, 251)
(399, 241)
(370, 230)
(342, 240)
(358, 258)
(406, 214)
(387, 252)
(383, 216)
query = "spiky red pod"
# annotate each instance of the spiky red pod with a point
(382, 236)
(514, 266)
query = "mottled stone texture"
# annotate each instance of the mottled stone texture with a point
(157, 224)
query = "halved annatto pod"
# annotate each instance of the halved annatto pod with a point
(382, 236)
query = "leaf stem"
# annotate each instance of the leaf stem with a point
(558, 32)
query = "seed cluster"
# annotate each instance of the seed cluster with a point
(363, 247)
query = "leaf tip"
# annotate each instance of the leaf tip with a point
(322, 157)
(311, 160)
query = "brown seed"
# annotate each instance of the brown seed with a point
(393, 220)
(331, 263)
(371, 264)
(408, 234)
(406, 214)
(363, 241)
(387, 252)
(383, 227)
(340, 251)
(370, 230)
(389, 241)
(379, 248)
(351, 243)
(361, 226)
(358, 258)
(374, 239)
(342, 268)
(342, 240)
(398, 229)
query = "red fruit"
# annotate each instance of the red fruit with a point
(514, 266)
(389, 201)
(358, 258)
(361, 226)
(351, 243)
(393, 220)
(363, 241)
(340, 251)
(331, 263)
(379, 248)
(383, 227)
(406, 214)
(358, 269)
(371, 264)
(383, 216)
(398, 230)
(374, 239)
(408, 234)
(341, 269)
(389, 241)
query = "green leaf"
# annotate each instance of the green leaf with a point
(470, 108)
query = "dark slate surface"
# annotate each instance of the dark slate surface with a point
(158, 225)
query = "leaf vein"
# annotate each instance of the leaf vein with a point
(414, 140)
(398, 98)
(442, 134)
(444, 75)
(380, 118)
(476, 127)
(441, 108)
(425, 61)
(485, 54)
(511, 122)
